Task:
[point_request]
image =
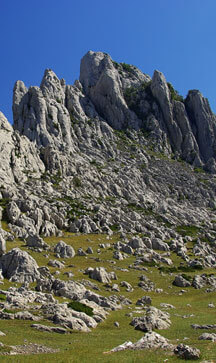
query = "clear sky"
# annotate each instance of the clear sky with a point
(176, 37)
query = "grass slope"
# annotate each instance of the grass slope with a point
(90, 347)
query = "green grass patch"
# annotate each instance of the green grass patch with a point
(184, 230)
(78, 306)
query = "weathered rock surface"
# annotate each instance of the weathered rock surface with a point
(208, 336)
(36, 242)
(187, 352)
(151, 340)
(55, 329)
(18, 265)
(154, 319)
(64, 250)
(100, 274)
(181, 281)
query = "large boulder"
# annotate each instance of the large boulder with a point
(187, 352)
(64, 250)
(100, 274)
(36, 241)
(181, 281)
(18, 265)
(154, 319)
(151, 340)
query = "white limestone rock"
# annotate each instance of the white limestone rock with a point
(19, 266)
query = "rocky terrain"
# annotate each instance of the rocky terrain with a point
(108, 218)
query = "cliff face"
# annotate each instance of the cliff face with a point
(106, 151)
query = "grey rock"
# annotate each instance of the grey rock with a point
(151, 340)
(89, 250)
(64, 250)
(208, 336)
(128, 286)
(25, 315)
(55, 329)
(206, 326)
(80, 252)
(70, 322)
(55, 263)
(181, 281)
(187, 352)
(18, 265)
(2, 245)
(36, 241)
(118, 256)
(145, 300)
(157, 244)
(100, 274)
(154, 319)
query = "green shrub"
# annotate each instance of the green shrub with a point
(190, 268)
(187, 277)
(76, 305)
(3, 297)
(127, 67)
(77, 182)
(114, 227)
(174, 94)
(188, 230)
(116, 65)
(8, 311)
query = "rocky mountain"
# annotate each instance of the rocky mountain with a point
(112, 151)
(117, 153)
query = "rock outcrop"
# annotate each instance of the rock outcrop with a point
(18, 265)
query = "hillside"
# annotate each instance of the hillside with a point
(107, 195)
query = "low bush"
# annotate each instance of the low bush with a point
(76, 305)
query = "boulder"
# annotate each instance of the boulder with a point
(55, 329)
(64, 250)
(157, 244)
(181, 281)
(145, 300)
(36, 241)
(55, 263)
(100, 274)
(187, 352)
(154, 319)
(151, 340)
(208, 336)
(128, 286)
(18, 265)
(118, 256)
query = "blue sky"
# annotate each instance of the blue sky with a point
(176, 37)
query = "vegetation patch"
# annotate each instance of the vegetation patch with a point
(127, 67)
(184, 230)
(174, 94)
(3, 297)
(78, 306)
(77, 182)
